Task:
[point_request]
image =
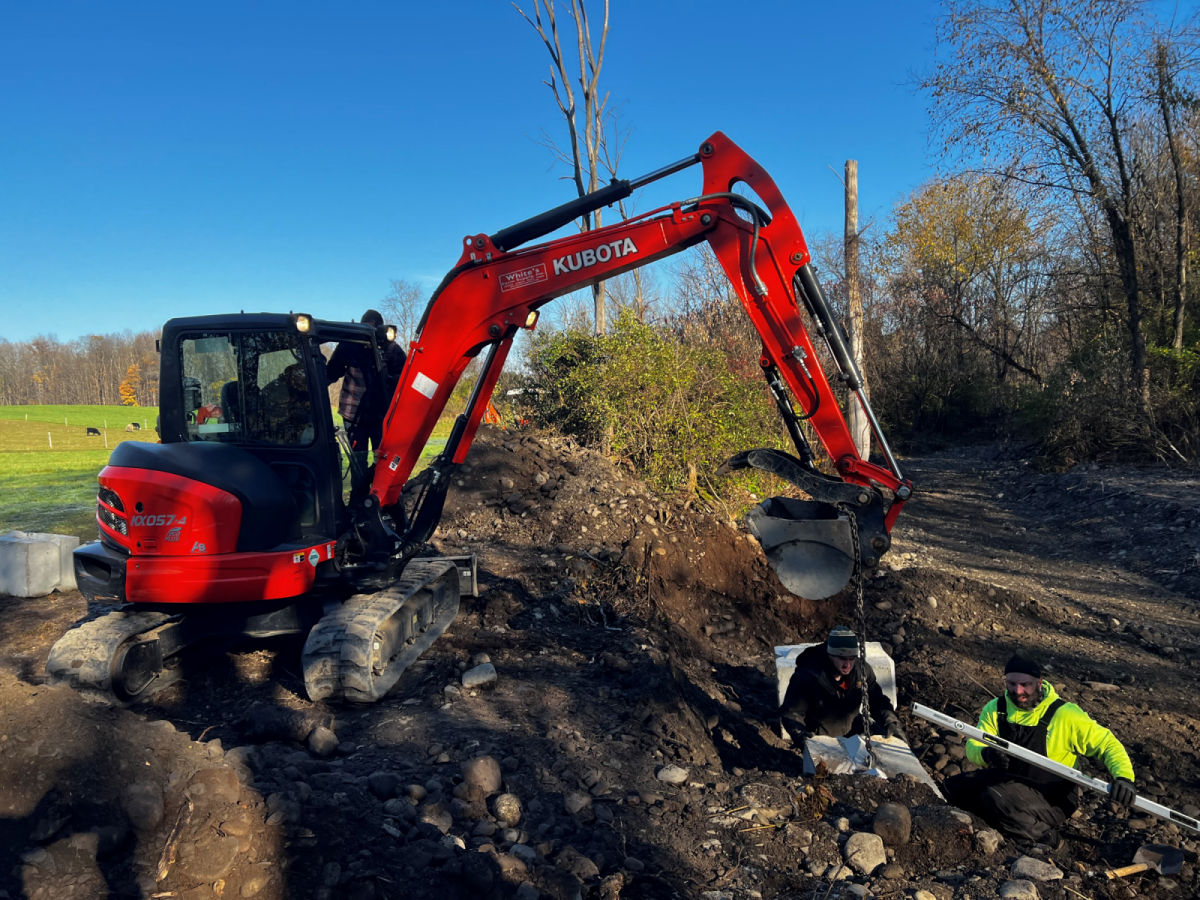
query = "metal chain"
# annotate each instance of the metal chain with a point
(856, 584)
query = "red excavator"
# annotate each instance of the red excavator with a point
(235, 525)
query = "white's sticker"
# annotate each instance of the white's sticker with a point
(425, 385)
(314, 557)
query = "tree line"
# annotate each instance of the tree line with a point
(108, 369)
(1040, 288)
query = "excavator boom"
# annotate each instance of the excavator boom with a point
(497, 287)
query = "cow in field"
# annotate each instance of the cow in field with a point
(134, 426)
(95, 431)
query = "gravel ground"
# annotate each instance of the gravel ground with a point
(600, 722)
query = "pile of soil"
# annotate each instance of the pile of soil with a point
(601, 720)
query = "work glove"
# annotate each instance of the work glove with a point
(1122, 792)
(996, 759)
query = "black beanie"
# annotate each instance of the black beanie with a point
(1024, 665)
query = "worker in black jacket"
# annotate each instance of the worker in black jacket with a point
(825, 693)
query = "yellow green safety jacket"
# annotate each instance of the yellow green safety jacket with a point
(1071, 733)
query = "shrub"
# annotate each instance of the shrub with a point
(667, 408)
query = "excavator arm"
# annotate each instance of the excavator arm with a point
(498, 286)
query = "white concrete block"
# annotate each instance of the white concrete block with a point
(34, 564)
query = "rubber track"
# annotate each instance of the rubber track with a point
(338, 651)
(83, 656)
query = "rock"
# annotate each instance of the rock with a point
(837, 872)
(1017, 889)
(219, 785)
(576, 801)
(480, 676)
(892, 872)
(924, 895)
(893, 823)
(672, 774)
(436, 815)
(384, 785)
(864, 852)
(523, 852)
(322, 742)
(399, 808)
(142, 802)
(470, 802)
(210, 857)
(571, 860)
(484, 773)
(507, 808)
(1026, 867)
(988, 840)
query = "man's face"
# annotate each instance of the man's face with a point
(1025, 690)
(841, 664)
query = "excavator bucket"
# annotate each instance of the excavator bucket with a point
(812, 544)
(808, 544)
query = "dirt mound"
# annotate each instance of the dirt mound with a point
(600, 721)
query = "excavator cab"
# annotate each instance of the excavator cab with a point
(257, 382)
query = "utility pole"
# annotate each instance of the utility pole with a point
(860, 428)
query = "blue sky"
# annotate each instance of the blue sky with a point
(176, 158)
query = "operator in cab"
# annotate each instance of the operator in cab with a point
(825, 693)
(365, 395)
(1023, 801)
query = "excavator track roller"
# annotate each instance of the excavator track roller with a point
(120, 654)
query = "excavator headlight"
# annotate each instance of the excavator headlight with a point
(303, 322)
(531, 319)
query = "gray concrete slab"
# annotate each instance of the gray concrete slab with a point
(32, 564)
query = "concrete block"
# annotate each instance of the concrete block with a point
(34, 564)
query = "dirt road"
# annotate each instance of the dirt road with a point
(626, 744)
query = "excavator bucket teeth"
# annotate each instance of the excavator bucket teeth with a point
(808, 544)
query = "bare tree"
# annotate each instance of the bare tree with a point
(1170, 97)
(1053, 85)
(403, 307)
(585, 149)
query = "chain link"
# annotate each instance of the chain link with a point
(856, 585)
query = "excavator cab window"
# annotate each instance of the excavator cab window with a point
(247, 387)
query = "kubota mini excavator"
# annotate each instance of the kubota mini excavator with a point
(235, 524)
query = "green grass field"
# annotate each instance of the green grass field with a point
(49, 464)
